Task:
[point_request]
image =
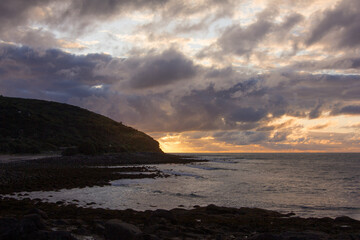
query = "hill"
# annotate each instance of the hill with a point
(33, 126)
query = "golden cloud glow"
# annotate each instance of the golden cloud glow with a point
(327, 134)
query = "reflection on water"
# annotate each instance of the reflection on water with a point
(307, 184)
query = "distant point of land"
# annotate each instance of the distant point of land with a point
(36, 126)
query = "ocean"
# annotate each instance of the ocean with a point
(307, 184)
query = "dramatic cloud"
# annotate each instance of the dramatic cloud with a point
(198, 76)
(17, 12)
(350, 109)
(339, 26)
(162, 69)
(245, 41)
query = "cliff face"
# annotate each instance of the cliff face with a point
(28, 125)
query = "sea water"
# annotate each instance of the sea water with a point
(308, 184)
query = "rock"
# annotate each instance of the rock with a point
(58, 235)
(149, 237)
(27, 226)
(160, 213)
(38, 212)
(304, 236)
(61, 222)
(81, 231)
(36, 219)
(344, 219)
(265, 236)
(99, 228)
(118, 230)
(8, 228)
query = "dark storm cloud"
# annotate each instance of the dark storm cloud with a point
(289, 22)
(241, 137)
(347, 62)
(242, 41)
(248, 115)
(339, 27)
(17, 12)
(51, 72)
(163, 69)
(79, 16)
(350, 109)
(79, 12)
(316, 112)
(74, 16)
(57, 71)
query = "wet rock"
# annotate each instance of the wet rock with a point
(344, 219)
(27, 226)
(81, 231)
(118, 230)
(36, 219)
(8, 228)
(149, 237)
(38, 212)
(61, 222)
(265, 236)
(58, 235)
(161, 213)
(99, 229)
(304, 236)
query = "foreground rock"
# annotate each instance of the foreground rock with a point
(211, 222)
(30, 227)
(118, 230)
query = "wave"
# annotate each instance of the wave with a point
(178, 173)
(209, 168)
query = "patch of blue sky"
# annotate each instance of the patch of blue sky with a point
(195, 46)
(246, 12)
(105, 38)
(302, 53)
(338, 72)
(120, 26)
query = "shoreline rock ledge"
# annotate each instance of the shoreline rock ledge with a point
(27, 219)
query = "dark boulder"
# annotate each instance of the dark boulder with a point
(38, 212)
(51, 235)
(165, 214)
(118, 230)
(36, 220)
(8, 228)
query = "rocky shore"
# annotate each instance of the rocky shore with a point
(27, 219)
(34, 219)
(55, 173)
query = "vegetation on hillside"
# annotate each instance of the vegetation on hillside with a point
(33, 126)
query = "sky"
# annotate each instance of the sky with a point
(198, 76)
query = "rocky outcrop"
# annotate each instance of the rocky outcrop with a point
(211, 222)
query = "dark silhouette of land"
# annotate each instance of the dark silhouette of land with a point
(34, 126)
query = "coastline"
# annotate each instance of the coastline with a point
(55, 173)
(56, 221)
(47, 220)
